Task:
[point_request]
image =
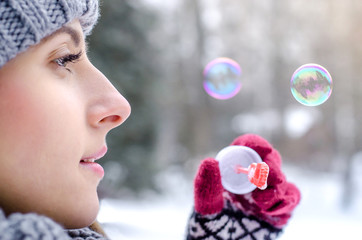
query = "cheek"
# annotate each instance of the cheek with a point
(19, 119)
(34, 131)
(30, 121)
(40, 146)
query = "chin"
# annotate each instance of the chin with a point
(82, 216)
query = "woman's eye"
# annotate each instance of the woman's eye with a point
(71, 58)
(60, 62)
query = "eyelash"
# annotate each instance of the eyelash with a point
(71, 58)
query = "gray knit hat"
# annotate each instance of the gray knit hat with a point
(24, 23)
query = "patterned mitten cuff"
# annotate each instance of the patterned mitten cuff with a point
(230, 223)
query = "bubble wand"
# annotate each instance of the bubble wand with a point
(257, 174)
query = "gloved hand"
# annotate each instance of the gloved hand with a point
(259, 215)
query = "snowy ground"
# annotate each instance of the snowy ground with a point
(319, 216)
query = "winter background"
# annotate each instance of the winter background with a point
(154, 52)
(320, 214)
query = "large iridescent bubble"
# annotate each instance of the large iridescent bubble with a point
(222, 78)
(311, 84)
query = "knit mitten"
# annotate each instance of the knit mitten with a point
(258, 215)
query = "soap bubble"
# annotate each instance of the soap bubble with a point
(311, 84)
(222, 78)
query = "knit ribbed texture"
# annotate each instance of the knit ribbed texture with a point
(24, 23)
(34, 227)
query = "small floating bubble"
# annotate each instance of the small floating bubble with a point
(311, 84)
(222, 78)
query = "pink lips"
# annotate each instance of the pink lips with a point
(89, 162)
(97, 155)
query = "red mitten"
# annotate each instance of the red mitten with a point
(208, 190)
(277, 201)
(260, 214)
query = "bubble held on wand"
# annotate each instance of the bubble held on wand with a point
(232, 160)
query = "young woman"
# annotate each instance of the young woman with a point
(56, 109)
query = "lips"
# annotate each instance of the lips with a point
(88, 162)
(95, 156)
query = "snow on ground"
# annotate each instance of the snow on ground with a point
(320, 214)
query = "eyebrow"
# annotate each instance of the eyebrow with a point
(75, 36)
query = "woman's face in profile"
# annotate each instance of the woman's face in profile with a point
(55, 111)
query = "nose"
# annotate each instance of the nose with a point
(107, 108)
